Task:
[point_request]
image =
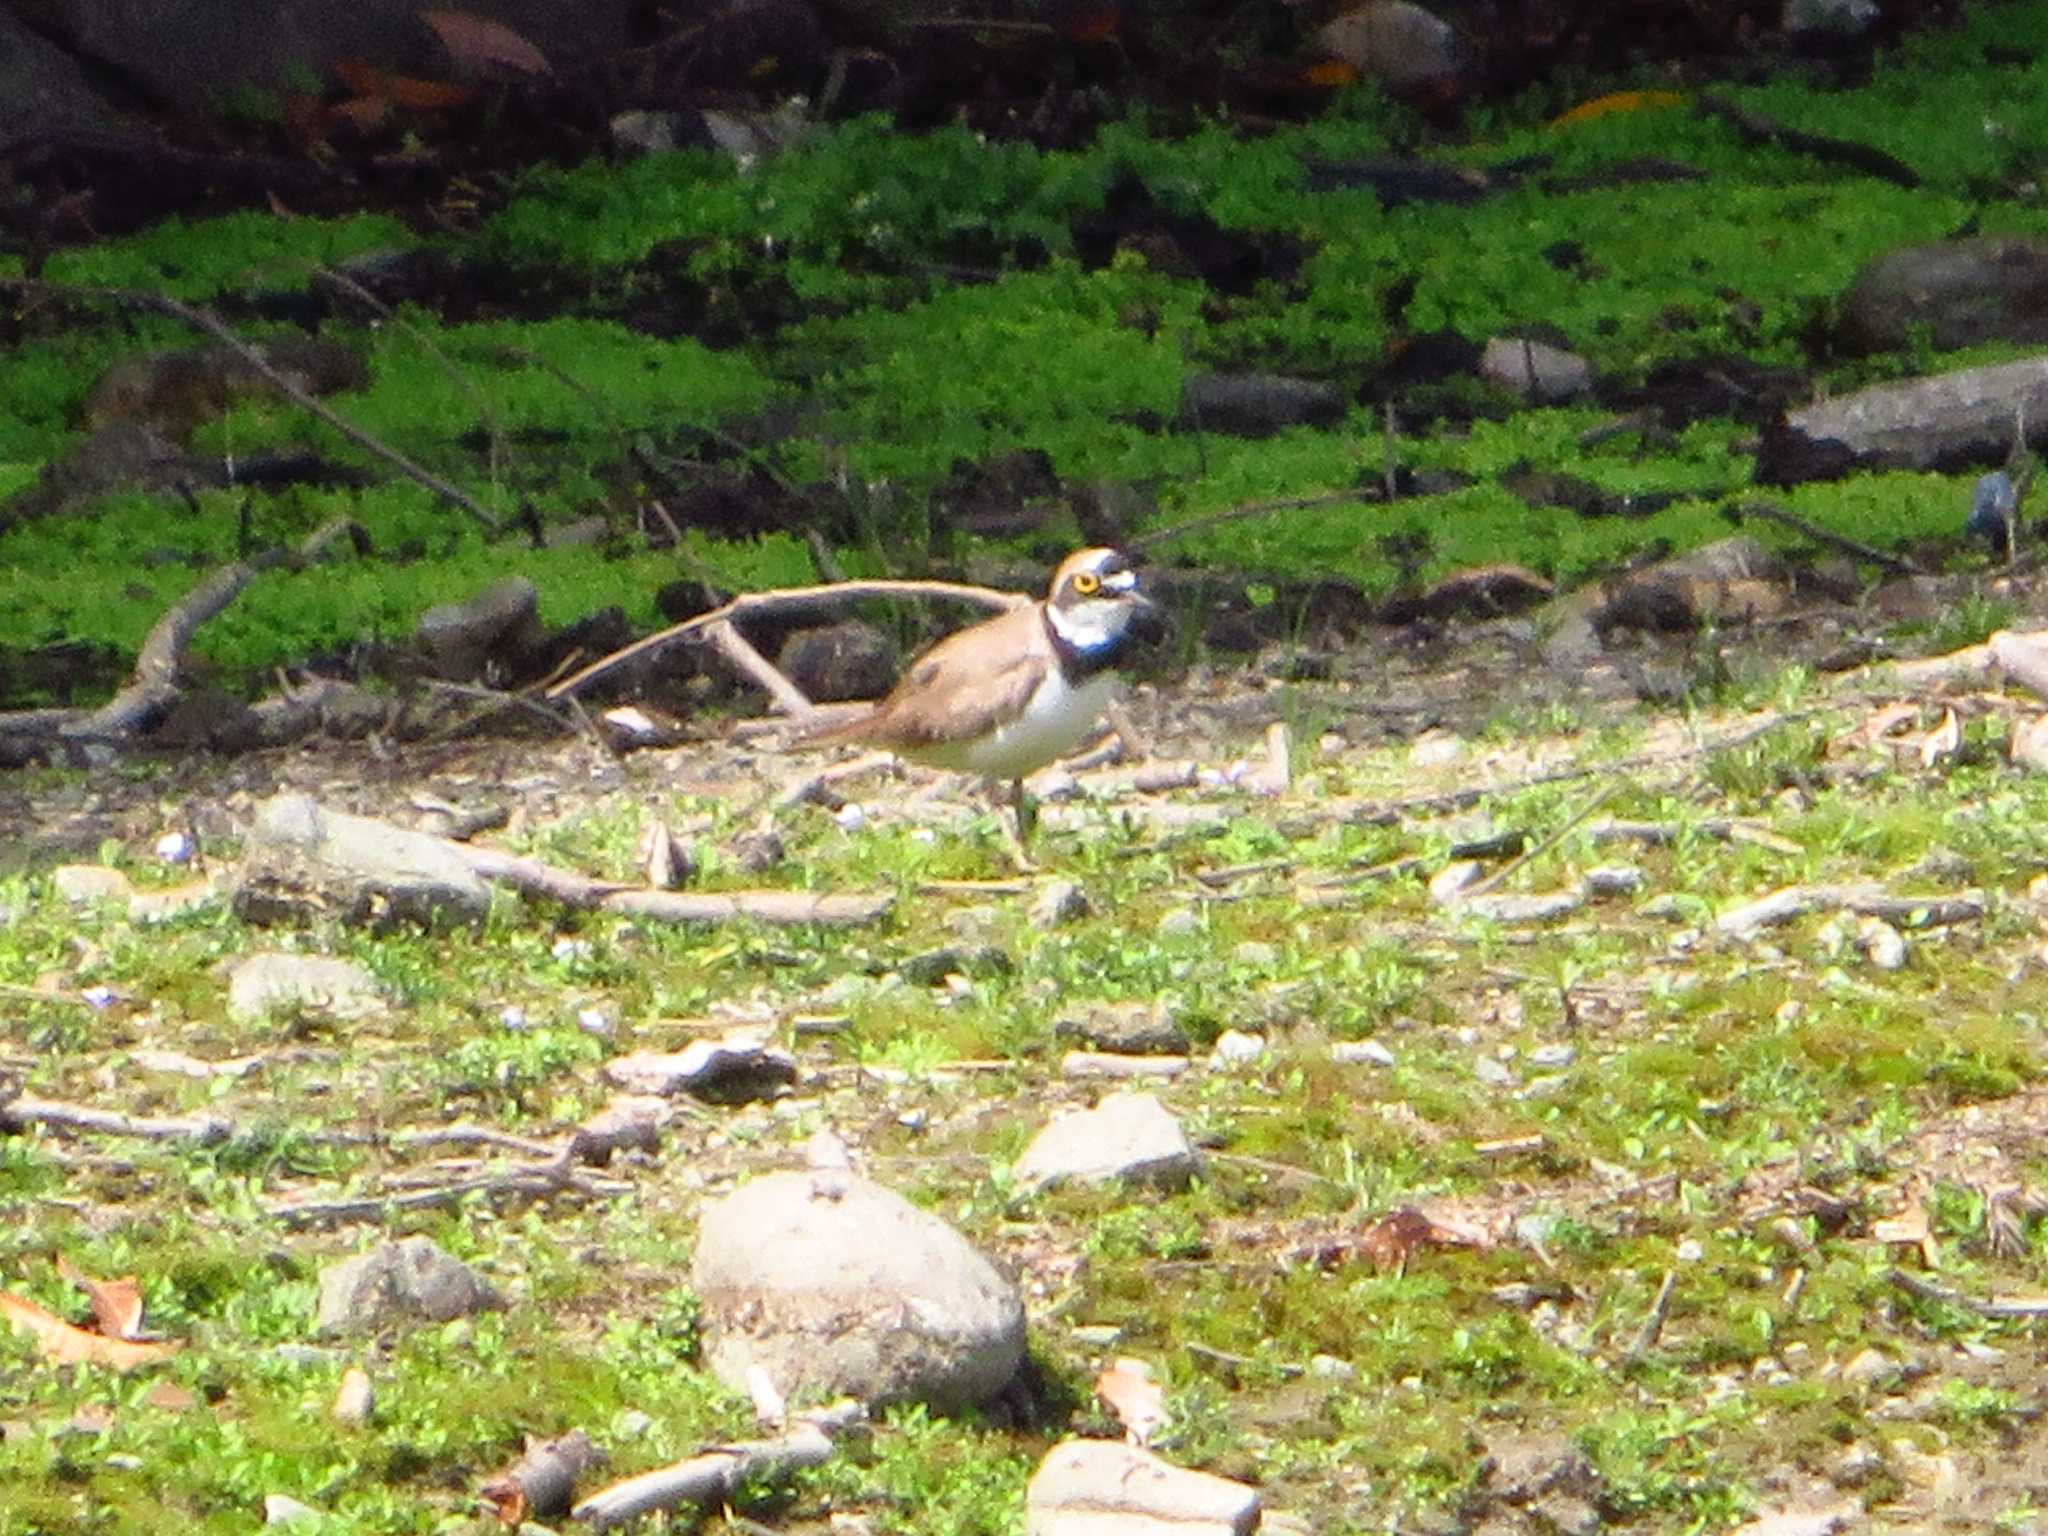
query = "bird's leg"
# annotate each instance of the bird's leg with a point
(1016, 843)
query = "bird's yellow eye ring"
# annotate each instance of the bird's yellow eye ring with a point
(1087, 583)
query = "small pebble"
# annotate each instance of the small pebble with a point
(1180, 922)
(176, 848)
(632, 1423)
(512, 1017)
(1615, 880)
(1552, 1057)
(1489, 1070)
(595, 1021)
(1235, 1048)
(571, 951)
(1257, 954)
(101, 997)
(1330, 1368)
(1690, 1251)
(851, 816)
(1361, 1053)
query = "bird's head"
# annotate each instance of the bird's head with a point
(1097, 609)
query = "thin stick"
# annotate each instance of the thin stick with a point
(1238, 514)
(1653, 1325)
(830, 595)
(1493, 880)
(1927, 1290)
(493, 419)
(1771, 513)
(217, 328)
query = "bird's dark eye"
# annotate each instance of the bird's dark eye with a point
(1087, 583)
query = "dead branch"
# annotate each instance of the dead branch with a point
(1797, 901)
(157, 665)
(820, 603)
(779, 908)
(154, 685)
(718, 1472)
(1927, 1290)
(529, 1181)
(22, 1113)
(282, 382)
(1494, 880)
(1770, 512)
(1653, 1325)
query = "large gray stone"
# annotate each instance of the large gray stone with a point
(837, 1286)
(303, 862)
(1994, 288)
(1128, 1136)
(263, 984)
(411, 1281)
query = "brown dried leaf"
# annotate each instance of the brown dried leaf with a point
(1943, 742)
(1879, 724)
(66, 1345)
(482, 45)
(391, 89)
(116, 1304)
(1127, 1390)
(1394, 1238)
(170, 1397)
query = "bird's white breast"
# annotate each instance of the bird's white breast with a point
(1056, 719)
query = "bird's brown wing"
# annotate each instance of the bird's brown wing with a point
(967, 684)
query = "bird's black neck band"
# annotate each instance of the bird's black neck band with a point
(1078, 663)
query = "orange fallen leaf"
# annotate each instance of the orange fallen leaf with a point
(66, 1345)
(1392, 1240)
(116, 1304)
(400, 90)
(1618, 101)
(1139, 1403)
(1879, 724)
(170, 1397)
(1943, 742)
(479, 43)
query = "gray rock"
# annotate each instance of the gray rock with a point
(1729, 578)
(1236, 1048)
(1962, 291)
(1535, 370)
(840, 662)
(1873, 1369)
(1368, 1053)
(1128, 1136)
(1523, 1468)
(501, 623)
(85, 884)
(1107, 1488)
(1058, 903)
(1129, 1028)
(410, 1281)
(302, 863)
(1543, 907)
(851, 1291)
(264, 984)
(1257, 404)
(1614, 880)
(1554, 1056)
(123, 456)
(1493, 1073)
(1566, 1513)
(935, 965)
